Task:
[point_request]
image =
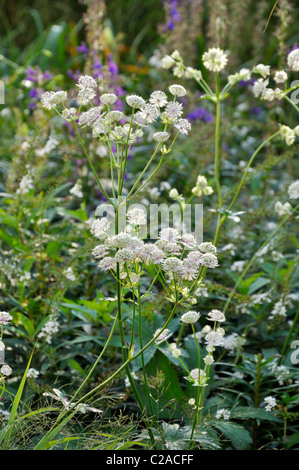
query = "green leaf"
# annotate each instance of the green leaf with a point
(237, 434)
(248, 412)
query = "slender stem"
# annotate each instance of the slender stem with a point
(91, 165)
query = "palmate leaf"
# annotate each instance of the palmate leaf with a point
(250, 412)
(237, 434)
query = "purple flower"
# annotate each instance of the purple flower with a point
(200, 114)
(112, 66)
(33, 93)
(83, 48)
(47, 75)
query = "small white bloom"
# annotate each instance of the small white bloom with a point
(177, 90)
(270, 403)
(135, 101)
(167, 62)
(5, 370)
(163, 336)
(223, 413)
(5, 318)
(293, 60)
(108, 98)
(215, 59)
(158, 98)
(216, 315)
(136, 217)
(32, 373)
(161, 136)
(280, 76)
(263, 70)
(283, 209)
(190, 317)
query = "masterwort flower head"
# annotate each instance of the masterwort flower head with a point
(293, 60)
(177, 90)
(163, 336)
(5, 370)
(183, 125)
(161, 136)
(158, 98)
(280, 76)
(99, 227)
(215, 59)
(108, 98)
(5, 318)
(263, 70)
(135, 101)
(216, 315)
(190, 317)
(51, 99)
(136, 216)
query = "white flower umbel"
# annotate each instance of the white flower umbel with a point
(136, 217)
(190, 317)
(158, 98)
(280, 76)
(215, 59)
(77, 189)
(177, 90)
(161, 136)
(69, 274)
(293, 60)
(108, 98)
(283, 209)
(216, 315)
(6, 370)
(270, 403)
(99, 227)
(135, 101)
(163, 336)
(32, 373)
(51, 99)
(175, 352)
(263, 70)
(223, 414)
(5, 318)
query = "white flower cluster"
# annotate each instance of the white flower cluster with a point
(26, 183)
(223, 414)
(5, 319)
(133, 254)
(289, 134)
(105, 122)
(293, 189)
(215, 60)
(233, 343)
(281, 372)
(76, 190)
(69, 274)
(270, 403)
(49, 329)
(32, 373)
